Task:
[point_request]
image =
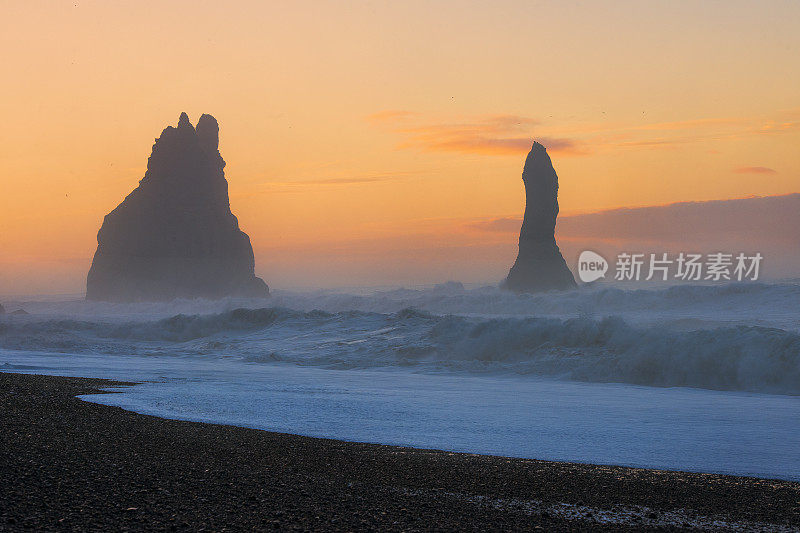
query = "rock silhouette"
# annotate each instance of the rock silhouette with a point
(539, 265)
(175, 235)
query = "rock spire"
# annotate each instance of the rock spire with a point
(175, 236)
(539, 265)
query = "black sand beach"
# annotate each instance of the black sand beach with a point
(66, 464)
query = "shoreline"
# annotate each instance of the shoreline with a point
(70, 464)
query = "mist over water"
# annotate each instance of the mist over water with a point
(743, 337)
(701, 378)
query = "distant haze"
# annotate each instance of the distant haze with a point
(480, 251)
(364, 144)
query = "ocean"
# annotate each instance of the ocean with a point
(687, 377)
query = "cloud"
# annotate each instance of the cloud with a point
(691, 124)
(772, 127)
(756, 220)
(501, 225)
(300, 186)
(653, 143)
(491, 135)
(512, 135)
(755, 170)
(664, 135)
(767, 217)
(470, 144)
(475, 144)
(346, 181)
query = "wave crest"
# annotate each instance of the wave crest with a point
(739, 357)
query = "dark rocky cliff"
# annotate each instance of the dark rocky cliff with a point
(539, 265)
(175, 235)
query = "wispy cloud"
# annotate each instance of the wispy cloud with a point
(755, 170)
(347, 181)
(669, 135)
(772, 218)
(652, 143)
(488, 135)
(299, 186)
(509, 134)
(501, 225)
(691, 124)
(773, 126)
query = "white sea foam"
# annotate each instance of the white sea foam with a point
(727, 337)
(476, 370)
(741, 303)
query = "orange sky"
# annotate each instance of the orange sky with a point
(363, 138)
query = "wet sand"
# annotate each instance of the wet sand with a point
(66, 464)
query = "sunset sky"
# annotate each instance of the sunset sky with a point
(367, 142)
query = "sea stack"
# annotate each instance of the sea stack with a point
(175, 236)
(539, 265)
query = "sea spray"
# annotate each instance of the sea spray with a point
(587, 346)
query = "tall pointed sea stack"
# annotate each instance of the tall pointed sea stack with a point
(539, 265)
(174, 236)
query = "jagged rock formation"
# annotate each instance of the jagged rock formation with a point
(539, 265)
(174, 235)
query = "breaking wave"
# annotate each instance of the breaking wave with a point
(767, 304)
(611, 349)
